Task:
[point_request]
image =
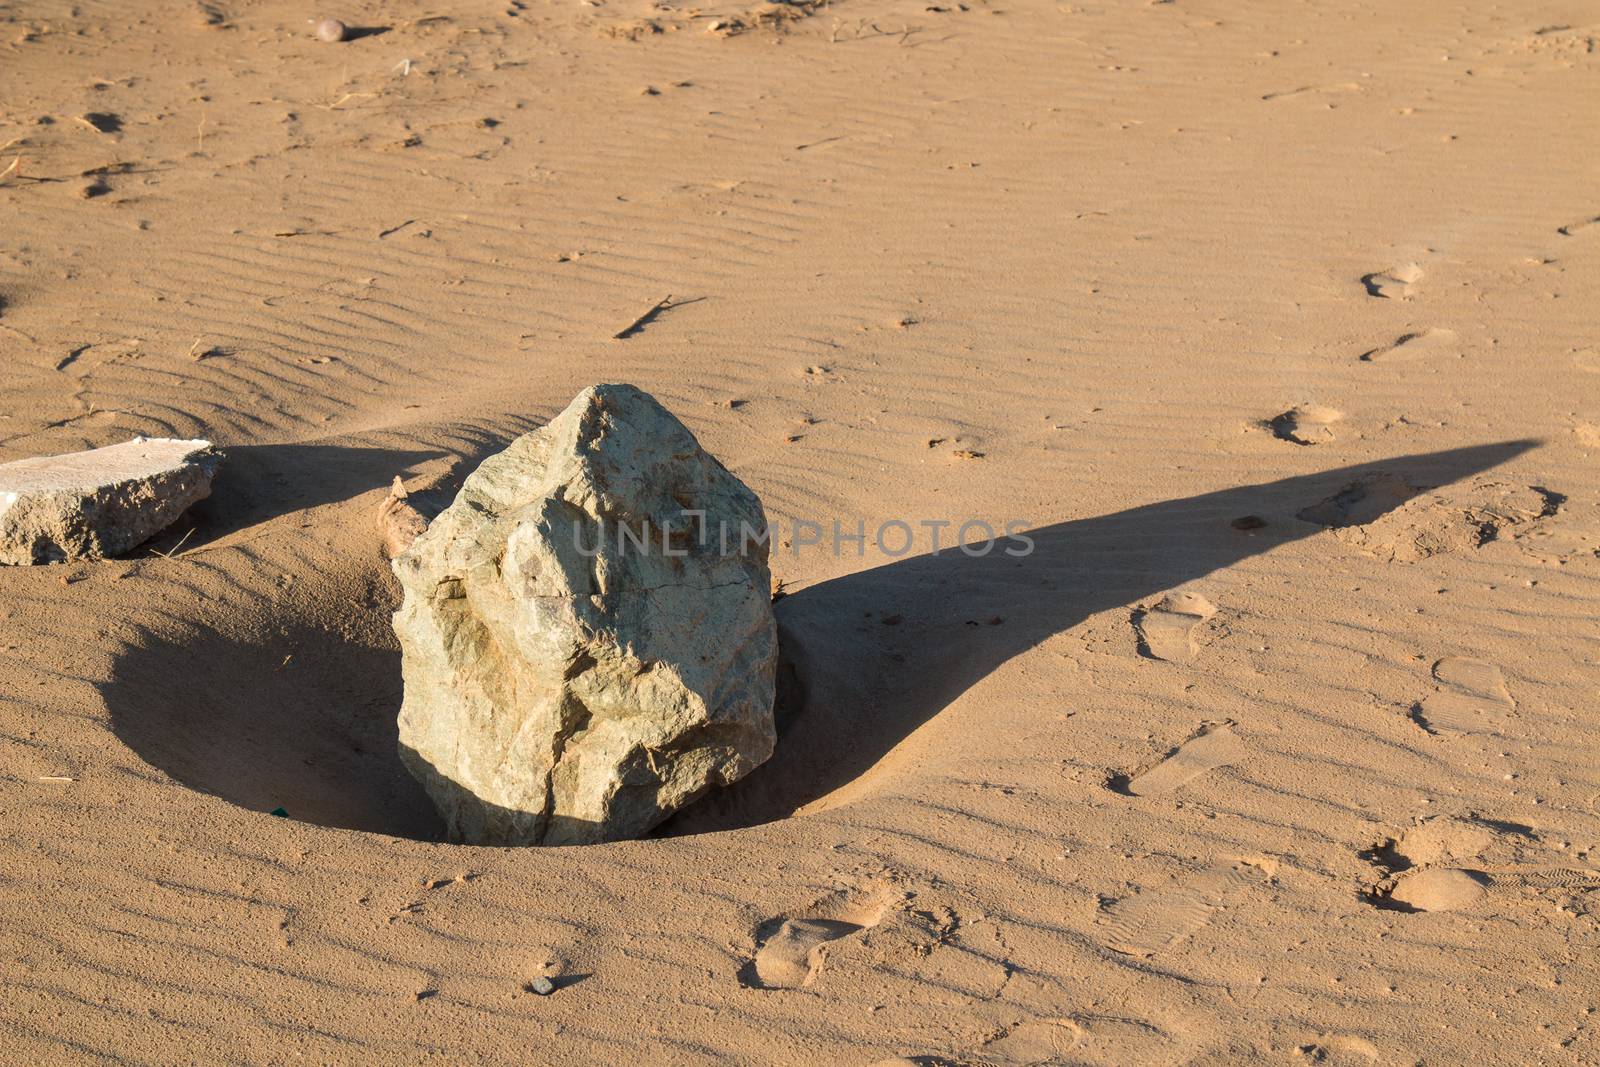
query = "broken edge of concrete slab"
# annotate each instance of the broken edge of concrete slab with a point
(100, 502)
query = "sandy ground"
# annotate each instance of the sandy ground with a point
(1128, 272)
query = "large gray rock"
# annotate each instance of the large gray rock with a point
(86, 505)
(558, 697)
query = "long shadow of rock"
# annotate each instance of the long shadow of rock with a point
(957, 618)
(299, 720)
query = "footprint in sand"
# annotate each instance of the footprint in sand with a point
(1338, 1050)
(1307, 424)
(1394, 283)
(1155, 921)
(1423, 344)
(1457, 888)
(1166, 631)
(1034, 1042)
(1213, 745)
(1447, 863)
(790, 951)
(1385, 516)
(1471, 698)
(1083, 1041)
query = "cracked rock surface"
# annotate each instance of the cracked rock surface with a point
(563, 684)
(102, 502)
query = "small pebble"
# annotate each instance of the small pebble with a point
(330, 30)
(542, 986)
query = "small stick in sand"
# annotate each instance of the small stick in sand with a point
(56, 778)
(173, 551)
(347, 96)
(643, 320)
(639, 323)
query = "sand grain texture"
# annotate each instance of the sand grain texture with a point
(1056, 263)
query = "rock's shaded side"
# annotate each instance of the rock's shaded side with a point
(86, 505)
(562, 684)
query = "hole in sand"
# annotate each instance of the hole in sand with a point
(295, 718)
